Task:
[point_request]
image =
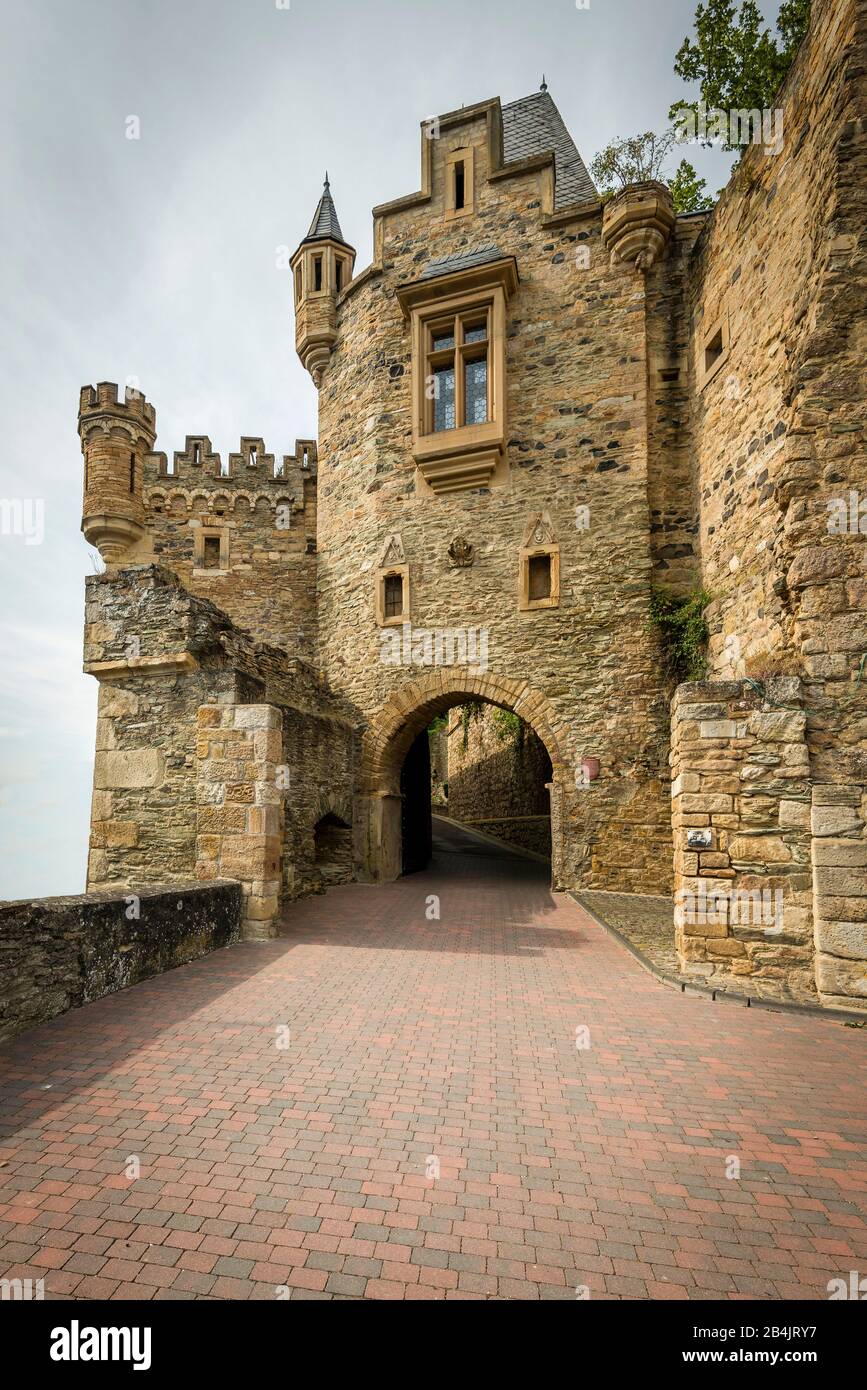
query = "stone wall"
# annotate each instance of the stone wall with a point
(672, 486)
(240, 819)
(59, 953)
(500, 772)
(839, 853)
(268, 584)
(778, 436)
(779, 427)
(147, 816)
(741, 783)
(524, 832)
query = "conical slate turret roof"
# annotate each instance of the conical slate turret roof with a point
(325, 223)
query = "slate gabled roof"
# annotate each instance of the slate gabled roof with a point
(533, 125)
(325, 223)
(461, 260)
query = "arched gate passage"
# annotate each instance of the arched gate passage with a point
(392, 732)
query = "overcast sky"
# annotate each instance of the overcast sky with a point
(156, 259)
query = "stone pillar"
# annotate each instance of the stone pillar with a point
(741, 785)
(555, 800)
(240, 814)
(386, 849)
(839, 826)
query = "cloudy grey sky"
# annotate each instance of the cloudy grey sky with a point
(157, 259)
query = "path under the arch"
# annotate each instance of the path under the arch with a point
(432, 1130)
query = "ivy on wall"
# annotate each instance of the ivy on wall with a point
(683, 633)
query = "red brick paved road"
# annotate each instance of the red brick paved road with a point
(306, 1167)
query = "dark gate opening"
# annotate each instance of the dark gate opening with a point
(415, 791)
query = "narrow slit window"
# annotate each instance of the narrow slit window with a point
(211, 553)
(713, 350)
(459, 184)
(539, 575)
(132, 472)
(317, 272)
(338, 275)
(197, 453)
(252, 459)
(297, 283)
(393, 595)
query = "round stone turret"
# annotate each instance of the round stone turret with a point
(321, 269)
(115, 436)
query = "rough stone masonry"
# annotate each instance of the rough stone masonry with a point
(533, 407)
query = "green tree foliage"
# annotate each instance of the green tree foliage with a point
(642, 157)
(735, 58)
(633, 160)
(688, 190)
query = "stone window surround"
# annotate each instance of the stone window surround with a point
(718, 325)
(205, 532)
(453, 158)
(525, 555)
(467, 456)
(388, 572)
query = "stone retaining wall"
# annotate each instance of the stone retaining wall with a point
(525, 832)
(59, 953)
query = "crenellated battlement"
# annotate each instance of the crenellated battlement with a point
(197, 463)
(102, 400)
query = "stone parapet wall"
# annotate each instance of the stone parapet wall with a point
(59, 953)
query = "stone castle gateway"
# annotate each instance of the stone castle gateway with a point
(534, 408)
